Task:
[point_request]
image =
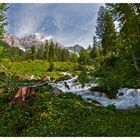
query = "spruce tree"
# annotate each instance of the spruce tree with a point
(105, 31)
(73, 57)
(3, 19)
(41, 52)
(46, 50)
(128, 16)
(51, 51)
(33, 52)
(84, 57)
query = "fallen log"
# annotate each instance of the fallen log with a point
(14, 86)
(39, 84)
(22, 89)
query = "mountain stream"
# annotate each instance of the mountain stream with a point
(125, 99)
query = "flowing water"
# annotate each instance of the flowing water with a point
(125, 98)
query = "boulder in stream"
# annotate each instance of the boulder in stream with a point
(126, 92)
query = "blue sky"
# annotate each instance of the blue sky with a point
(69, 24)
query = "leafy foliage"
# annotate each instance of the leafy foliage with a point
(64, 115)
(51, 66)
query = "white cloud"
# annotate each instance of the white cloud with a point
(29, 19)
(84, 33)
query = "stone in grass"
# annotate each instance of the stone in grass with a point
(24, 92)
(45, 78)
(55, 91)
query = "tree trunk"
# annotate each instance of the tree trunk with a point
(135, 60)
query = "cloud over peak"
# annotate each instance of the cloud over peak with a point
(68, 23)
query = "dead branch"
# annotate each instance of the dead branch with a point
(6, 69)
(9, 82)
(39, 84)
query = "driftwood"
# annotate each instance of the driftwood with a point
(16, 85)
(39, 84)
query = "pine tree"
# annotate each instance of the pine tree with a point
(51, 65)
(59, 54)
(129, 17)
(63, 56)
(94, 41)
(89, 48)
(46, 50)
(93, 52)
(40, 52)
(74, 57)
(105, 31)
(51, 51)
(3, 22)
(56, 56)
(33, 52)
(84, 57)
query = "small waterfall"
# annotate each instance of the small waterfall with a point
(126, 98)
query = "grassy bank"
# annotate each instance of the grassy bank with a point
(38, 68)
(64, 115)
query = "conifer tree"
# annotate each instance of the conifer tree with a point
(105, 31)
(33, 52)
(3, 21)
(46, 50)
(51, 51)
(128, 16)
(83, 57)
(41, 52)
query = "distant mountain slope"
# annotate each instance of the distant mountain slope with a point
(6, 51)
(26, 42)
(75, 48)
(36, 39)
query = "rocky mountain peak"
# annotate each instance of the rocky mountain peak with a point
(36, 39)
(75, 48)
(26, 42)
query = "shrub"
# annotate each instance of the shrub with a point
(83, 77)
(51, 66)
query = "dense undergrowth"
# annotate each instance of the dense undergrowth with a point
(114, 73)
(64, 115)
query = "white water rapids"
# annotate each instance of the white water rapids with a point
(125, 99)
